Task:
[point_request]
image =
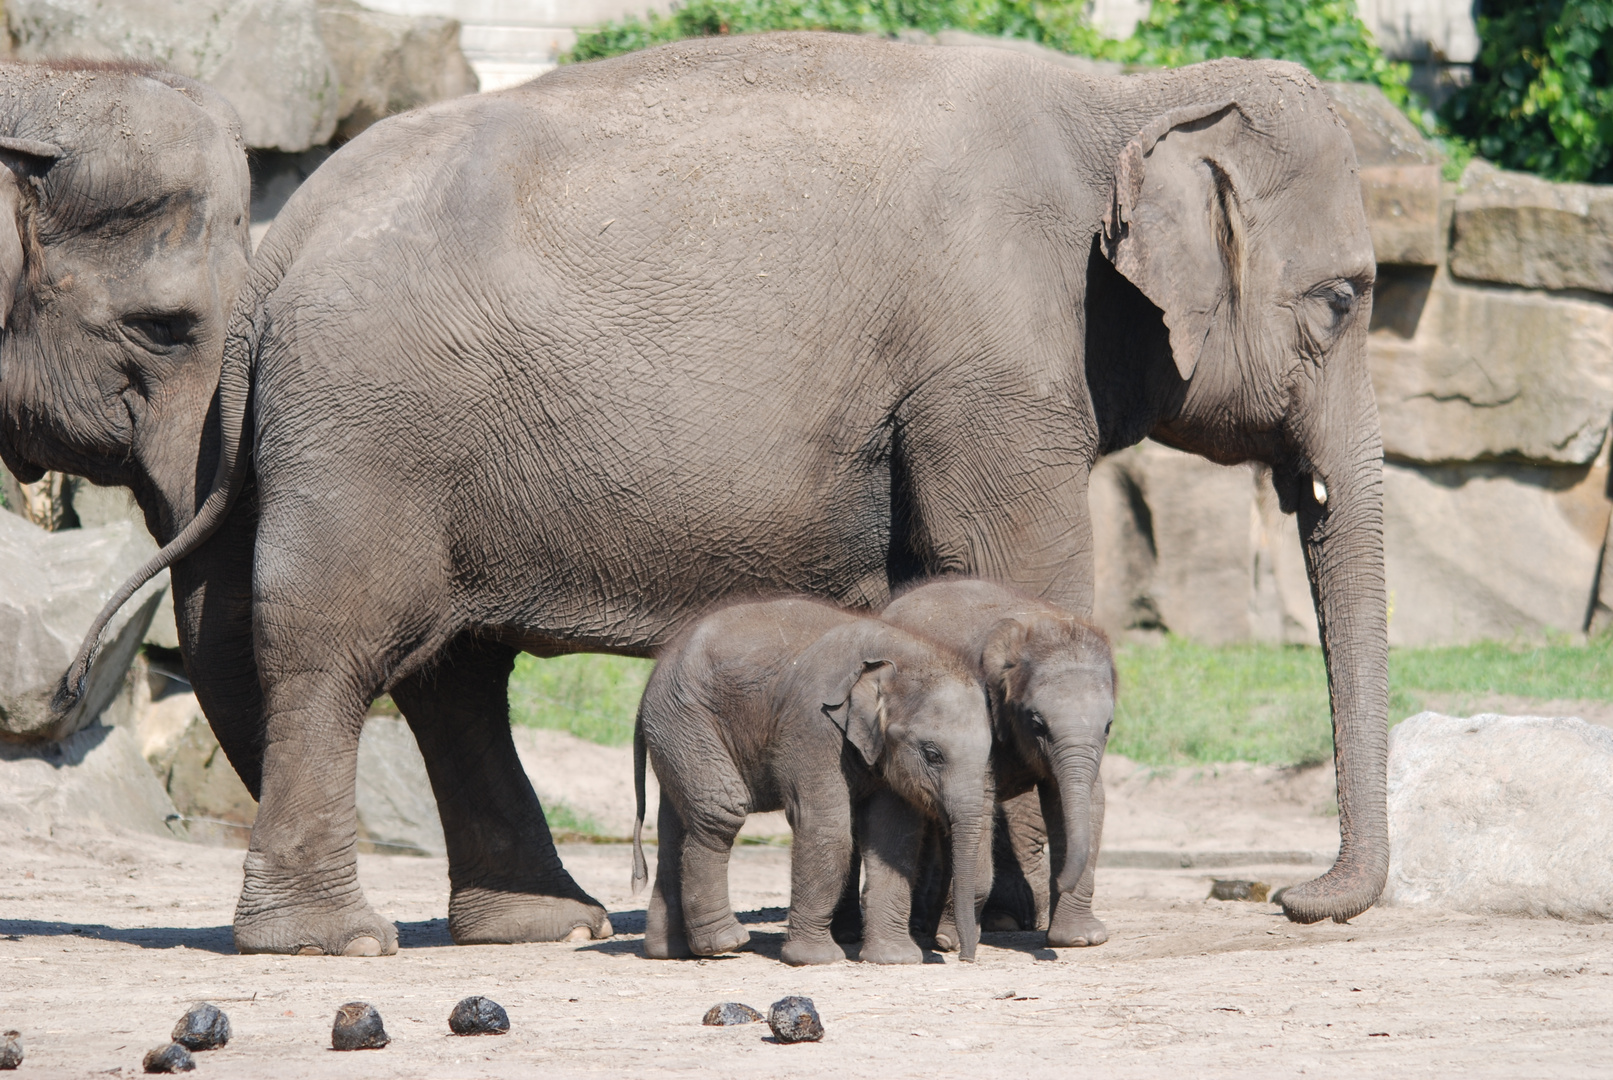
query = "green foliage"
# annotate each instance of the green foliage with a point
(592, 696)
(1182, 702)
(1541, 99)
(1326, 37)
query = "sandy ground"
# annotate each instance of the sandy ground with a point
(105, 939)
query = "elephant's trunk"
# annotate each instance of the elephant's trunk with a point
(967, 831)
(1340, 511)
(1076, 769)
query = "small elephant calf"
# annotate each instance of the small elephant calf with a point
(1051, 679)
(797, 705)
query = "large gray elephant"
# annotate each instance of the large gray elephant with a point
(557, 368)
(797, 706)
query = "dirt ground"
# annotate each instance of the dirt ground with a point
(105, 939)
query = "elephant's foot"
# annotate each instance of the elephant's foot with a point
(725, 937)
(799, 953)
(662, 946)
(891, 952)
(1076, 931)
(294, 931)
(301, 915)
(946, 934)
(495, 917)
(999, 922)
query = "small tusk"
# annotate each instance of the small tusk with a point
(1319, 490)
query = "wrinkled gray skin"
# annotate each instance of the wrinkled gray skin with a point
(1051, 682)
(794, 705)
(557, 368)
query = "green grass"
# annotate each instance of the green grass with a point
(592, 696)
(1180, 702)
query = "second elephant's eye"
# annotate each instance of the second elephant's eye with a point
(1038, 725)
(932, 756)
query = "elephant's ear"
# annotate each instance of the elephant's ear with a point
(16, 156)
(1000, 656)
(859, 708)
(1173, 226)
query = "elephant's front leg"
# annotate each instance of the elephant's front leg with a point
(820, 860)
(507, 882)
(1072, 924)
(301, 891)
(891, 832)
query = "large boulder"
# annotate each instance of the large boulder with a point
(397, 812)
(1400, 176)
(52, 585)
(1522, 230)
(1468, 373)
(388, 63)
(1199, 549)
(1478, 551)
(94, 778)
(266, 56)
(1501, 815)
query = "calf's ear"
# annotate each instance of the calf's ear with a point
(1000, 656)
(18, 157)
(860, 711)
(1174, 227)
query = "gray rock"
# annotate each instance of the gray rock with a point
(204, 785)
(1239, 889)
(265, 56)
(1501, 815)
(795, 1019)
(358, 1027)
(397, 812)
(1199, 549)
(203, 1027)
(479, 1016)
(388, 63)
(94, 778)
(1522, 230)
(1490, 550)
(1400, 176)
(95, 506)
(168, 1059)
(10, 1050)
(52, 585)
(1467, 373)
(729, 1013)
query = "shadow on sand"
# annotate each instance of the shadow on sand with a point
(214, 939)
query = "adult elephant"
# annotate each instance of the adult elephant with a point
(557, 368)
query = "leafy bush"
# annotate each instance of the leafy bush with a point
(1326, 37)
(1541, 99)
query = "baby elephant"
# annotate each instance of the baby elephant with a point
(1051, 680)
(797, 705)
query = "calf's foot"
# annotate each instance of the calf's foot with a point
(891, 952)
(799, 953)
(727, 936)
(1077, 929)
(482, 916)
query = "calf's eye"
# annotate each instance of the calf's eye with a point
(932, 756)
(1038, 725)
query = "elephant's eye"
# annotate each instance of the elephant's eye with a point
(160, 333)
(1038, 725)
(1108, 728)
(932, 756)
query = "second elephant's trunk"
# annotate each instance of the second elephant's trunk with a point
(966, 840)
(1076, 769)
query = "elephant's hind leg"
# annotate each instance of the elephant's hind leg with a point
(664, 936)
(507, 882)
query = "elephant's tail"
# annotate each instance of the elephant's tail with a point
(234, 388)
(641, 869)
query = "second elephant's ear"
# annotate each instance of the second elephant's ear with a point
(860, 711)
(1001, 655)
(18, 158)
(1173, 226)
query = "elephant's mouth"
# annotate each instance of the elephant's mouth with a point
(24, 470)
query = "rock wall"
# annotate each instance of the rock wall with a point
(1491, 352)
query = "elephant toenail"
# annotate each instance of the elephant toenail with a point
(310, 950)
(605, 929)
(363, 945)
(579, 933)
